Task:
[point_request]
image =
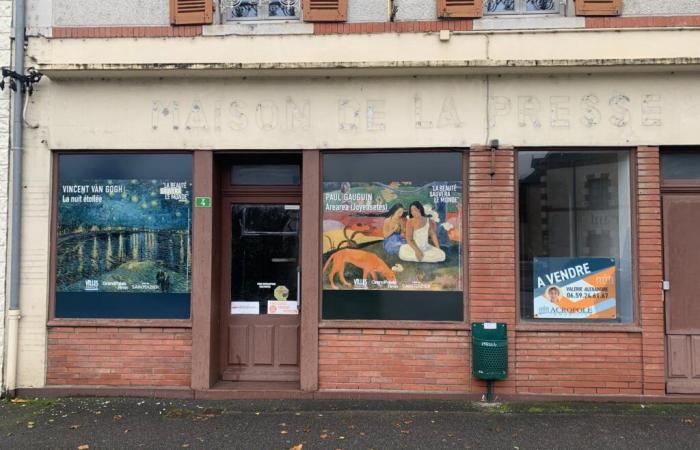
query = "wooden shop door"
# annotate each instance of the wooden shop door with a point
(260, 273)
(682, 297)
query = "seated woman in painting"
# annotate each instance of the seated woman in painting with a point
(419, 230)
(394, 229)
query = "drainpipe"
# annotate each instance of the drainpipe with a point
(13, 314)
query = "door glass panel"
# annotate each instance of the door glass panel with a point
(266, 175)
(680, 166)
(265, 251)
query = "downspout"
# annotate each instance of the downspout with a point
(16, 136)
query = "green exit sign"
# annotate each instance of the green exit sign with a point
(202, 202)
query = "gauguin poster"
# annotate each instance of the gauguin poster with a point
(395, 236)
(126, 236)
(575, 288)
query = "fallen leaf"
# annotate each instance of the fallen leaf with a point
(126, 430)
(297, 447)
(19, 400)
(83, 447)
(74, 427)
(30, 424)
(283, 432)
(185, 445)
(323, 436)
(117, 418)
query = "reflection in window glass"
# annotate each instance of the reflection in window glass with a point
(521, 6)
(500, 5)
(262, 9)
(540, 5)
(282, 9)
(575, 236)
(244, 8)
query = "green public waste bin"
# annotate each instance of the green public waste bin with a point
(489, 350)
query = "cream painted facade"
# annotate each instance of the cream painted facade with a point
(5, 56)
(541, 89)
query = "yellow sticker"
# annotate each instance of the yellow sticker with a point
(281, 293)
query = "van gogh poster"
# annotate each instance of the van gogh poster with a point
(127, 236)
(574, 288)
(395, 236)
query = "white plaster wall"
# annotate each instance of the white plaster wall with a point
(5, 56)
(410, 10)
(67, 13)
(36, 213)
(39, 17)
(368, 10)
(663, 7)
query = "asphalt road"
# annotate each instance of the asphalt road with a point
(176, 424)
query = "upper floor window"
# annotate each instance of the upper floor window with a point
(262, 9)
(521, 6)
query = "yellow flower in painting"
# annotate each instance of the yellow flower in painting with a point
(134, 198)
(125, 195)
(154, 203)
(144, 205)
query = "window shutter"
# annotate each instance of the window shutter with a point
(191, 12)
(460, 8)
(598, 7)
(325, 10)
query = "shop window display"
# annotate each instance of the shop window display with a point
(575, 236)
(392, 236)
(123, 237)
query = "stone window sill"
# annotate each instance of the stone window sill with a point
(528, 22)
(259, 28)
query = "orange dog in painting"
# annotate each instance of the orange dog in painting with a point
(371, 265)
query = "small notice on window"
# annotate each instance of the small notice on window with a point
(490, 326)
(282, 307)
(291, 207)
(245, 308)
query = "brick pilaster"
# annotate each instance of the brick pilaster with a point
(491, 245)
(650, 270)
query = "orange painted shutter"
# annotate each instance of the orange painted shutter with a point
(460, 8)
(191, 12)
(325, 10)
(598, 7)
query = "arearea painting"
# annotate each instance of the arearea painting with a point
(395, 236)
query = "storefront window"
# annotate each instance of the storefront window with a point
(575, 236)
(123, 238)
(392, 236)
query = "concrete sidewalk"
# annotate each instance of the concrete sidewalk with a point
(117, 423)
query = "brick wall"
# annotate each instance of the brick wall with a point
(578, 363)
(491, 246)
(651, 269)
(406, 360)
(119, 356)
(5, 27)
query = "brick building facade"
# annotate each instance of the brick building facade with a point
(559, 134)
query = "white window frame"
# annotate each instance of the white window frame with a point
(521, 9)
(263, 9)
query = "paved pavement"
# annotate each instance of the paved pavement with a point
(79, 423)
